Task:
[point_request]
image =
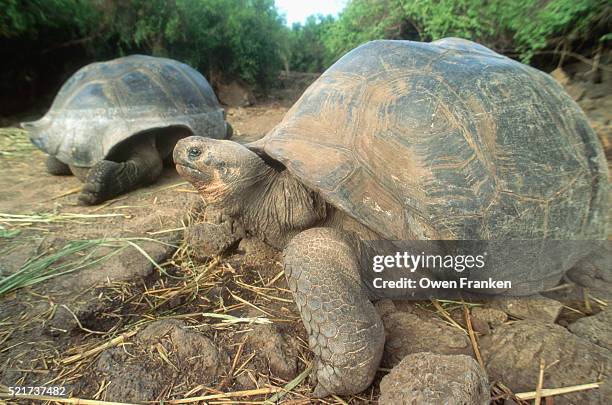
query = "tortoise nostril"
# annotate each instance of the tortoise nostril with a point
(194, 152)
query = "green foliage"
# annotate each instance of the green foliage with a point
(43, 41)
(362, 21)
(33, 17)
(306, 47)
(520, 27)
(238, 37)
(560, 22)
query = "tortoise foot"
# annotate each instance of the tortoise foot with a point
(103, 182)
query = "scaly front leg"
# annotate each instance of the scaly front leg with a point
(344, 330)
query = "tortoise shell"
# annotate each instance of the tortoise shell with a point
(105, 103)
(446, 140)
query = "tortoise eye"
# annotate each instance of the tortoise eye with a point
(194, 152)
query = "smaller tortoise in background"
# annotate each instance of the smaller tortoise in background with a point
(407, 141)
(113, 123)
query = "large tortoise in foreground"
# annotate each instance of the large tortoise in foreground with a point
(112, 123)
(402, 141)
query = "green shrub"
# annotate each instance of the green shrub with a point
(29, 19)
(520, 27)
(307, 51)
(238, 37)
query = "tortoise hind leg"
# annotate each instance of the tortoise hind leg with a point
(57, 167)
(107, 179)
(344, 330)
(594, 271)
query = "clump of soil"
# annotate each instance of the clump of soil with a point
(164, 351)
(407, 333)
(512, 354)
(597, 329)
(427, 378)
(278, 350)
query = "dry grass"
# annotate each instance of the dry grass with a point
(20, 221)
(225, 300)
(14, 142)
(189, 283)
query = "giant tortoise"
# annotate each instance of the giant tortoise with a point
(402, 141)
(112, 123)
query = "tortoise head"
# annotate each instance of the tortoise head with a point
(37, 135)
(222, 171)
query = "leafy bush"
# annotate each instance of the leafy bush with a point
(560, 22)
(238, 37)
(521, 27)
(44, 41)
(32, 18)
(307, 51)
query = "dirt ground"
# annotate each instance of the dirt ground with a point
(138, 317)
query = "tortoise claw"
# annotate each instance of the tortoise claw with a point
(89, 197)
(99, 184)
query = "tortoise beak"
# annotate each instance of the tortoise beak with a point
(193, 175)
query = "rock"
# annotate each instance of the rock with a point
(512, 355)
(537, 308)
(132, 264)
(597, 329)
(192, 350)
(163, 352)
(132, 382)
(493, 317)
(427, 378)
(481, 326)
(576, 90)
(407, 334)
(245, 382)
(278, 351)
(235, 94)
(560, 76)
(483, 319)
(128, 265)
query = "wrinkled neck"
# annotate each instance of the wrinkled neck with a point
(280, 207)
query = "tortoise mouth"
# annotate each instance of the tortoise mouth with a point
(192, 173)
